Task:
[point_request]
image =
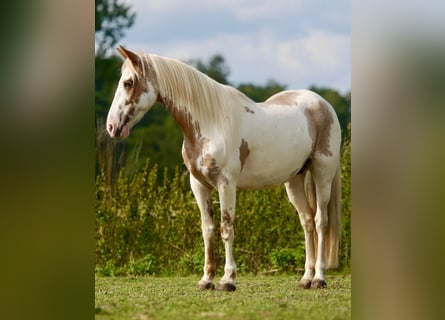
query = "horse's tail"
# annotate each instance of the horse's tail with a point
(333, 232)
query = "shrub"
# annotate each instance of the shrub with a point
(345, 243)
(288, 259)
(142, 266)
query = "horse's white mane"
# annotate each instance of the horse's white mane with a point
(209, 103)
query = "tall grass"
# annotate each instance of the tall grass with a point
(147, 227)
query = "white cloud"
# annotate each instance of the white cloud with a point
(316, 57)
(242, 9)
(270, 41)
(318, 49)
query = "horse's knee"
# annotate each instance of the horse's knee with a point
(208, 232)
(226, 228)
(226, 233)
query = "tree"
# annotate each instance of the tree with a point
(111, 18)
(261, 93)
(216, 68)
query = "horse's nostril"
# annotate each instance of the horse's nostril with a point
(110, 128)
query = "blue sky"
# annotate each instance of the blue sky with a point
(297, 43)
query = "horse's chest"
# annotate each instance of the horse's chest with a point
(201, 164)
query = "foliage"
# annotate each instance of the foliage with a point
(256, 297)
(216, 68)
(111, 18)
(288, 259)
(345, 244)
(261, 93)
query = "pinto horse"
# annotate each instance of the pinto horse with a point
(230, 142)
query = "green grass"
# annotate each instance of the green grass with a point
(256, 297)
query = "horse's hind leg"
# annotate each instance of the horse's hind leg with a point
(323, 170)
(297, 196)
(203, 198)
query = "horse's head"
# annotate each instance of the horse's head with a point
(135, 95)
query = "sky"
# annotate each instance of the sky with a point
(296, 43)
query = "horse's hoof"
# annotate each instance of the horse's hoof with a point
(305, 284)
(206, 285)
(318, 284)
(226, 286)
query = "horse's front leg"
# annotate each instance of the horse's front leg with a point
(227, 198)
(203, 198)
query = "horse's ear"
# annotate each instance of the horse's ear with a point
(122, 52)
(134, 58)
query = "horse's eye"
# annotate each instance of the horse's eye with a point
(128, 84)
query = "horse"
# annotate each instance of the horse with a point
(230, 141)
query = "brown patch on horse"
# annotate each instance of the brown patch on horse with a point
(193, 141)
(287, 98)
(209, 208)
(249, 110)
(133, 57)
(183, 118)
(226, 217)
(193, 147)
(213, 171)
(243, 152)
(208, 161)
(210, 263)
(138, 87)
(319, 120)
(226, 225)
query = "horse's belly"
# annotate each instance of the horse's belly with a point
(261, 180)
(264, 173)
(278, 142)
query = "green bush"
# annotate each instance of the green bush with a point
(143, 266)
(191, 262)
(288, 259)
(345, 243)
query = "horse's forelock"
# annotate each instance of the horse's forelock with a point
(138, 72)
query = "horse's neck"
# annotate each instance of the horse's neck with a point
(190, 128)
(216, 116)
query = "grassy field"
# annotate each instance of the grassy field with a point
(256, 297)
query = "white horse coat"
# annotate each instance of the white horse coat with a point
(230, 142)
